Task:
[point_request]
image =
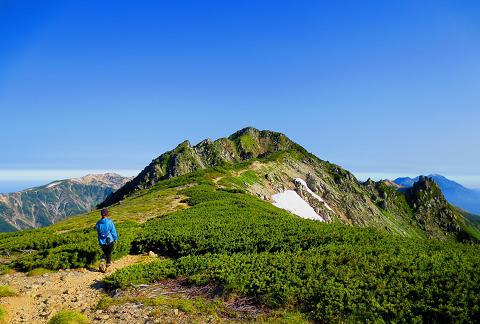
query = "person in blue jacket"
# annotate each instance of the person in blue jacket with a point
(107, 235)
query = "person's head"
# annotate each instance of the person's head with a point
(104, 212)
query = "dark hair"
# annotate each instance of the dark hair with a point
(104, 212)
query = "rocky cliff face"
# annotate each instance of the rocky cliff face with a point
(432, 211)
(272, 164)
(45, 205)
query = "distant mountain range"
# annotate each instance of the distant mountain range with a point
(456, 194)
(45, 205)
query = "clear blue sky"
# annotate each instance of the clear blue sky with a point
(383, 88)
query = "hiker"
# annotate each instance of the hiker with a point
(107, 235)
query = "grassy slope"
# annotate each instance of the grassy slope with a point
(249, 247)
(329, 271)
(72, 243)
(166, 197)
(471, 223)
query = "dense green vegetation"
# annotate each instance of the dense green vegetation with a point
(340, 282)
(221, 221)
(56, 250)
(330, 271)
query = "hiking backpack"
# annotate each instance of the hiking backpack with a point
(104, 233)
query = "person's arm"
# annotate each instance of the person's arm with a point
(114, 232)
(96, 229)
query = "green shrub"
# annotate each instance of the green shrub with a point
(7, 291)
(3, 314)
(38, 272)
(5, 269)
(141, 273)
(68, 317)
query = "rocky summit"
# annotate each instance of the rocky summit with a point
(243, 145)
(45, 205)
(267, 163)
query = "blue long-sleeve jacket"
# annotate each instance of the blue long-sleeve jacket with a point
(107, 233)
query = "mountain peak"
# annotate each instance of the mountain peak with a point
(243, 131)
(436, 175)
(109, 178)
(185, 143)
(245, 144)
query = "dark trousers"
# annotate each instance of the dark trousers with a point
(107, 252)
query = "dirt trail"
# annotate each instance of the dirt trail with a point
(40, 297)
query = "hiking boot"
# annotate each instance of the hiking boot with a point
(102, 266)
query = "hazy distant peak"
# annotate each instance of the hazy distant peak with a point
(106, 178)
(45, 205)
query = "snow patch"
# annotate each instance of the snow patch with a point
(291, 201)
(53, 184)
(310, 191)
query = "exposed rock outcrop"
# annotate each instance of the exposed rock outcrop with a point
(432, 211)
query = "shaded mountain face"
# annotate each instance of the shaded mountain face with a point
(45, 205)
(455, 193)
(266, 163)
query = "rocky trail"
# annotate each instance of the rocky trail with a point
(40, 297)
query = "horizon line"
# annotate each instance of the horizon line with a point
(49, 175)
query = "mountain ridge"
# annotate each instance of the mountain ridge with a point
(44, 205)
(242, 145)
(265, 163)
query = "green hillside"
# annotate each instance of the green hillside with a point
(381, 256)
(249, 247)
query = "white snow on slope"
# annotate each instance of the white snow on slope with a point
(53, 184)
(291, 201)
(304, 184)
